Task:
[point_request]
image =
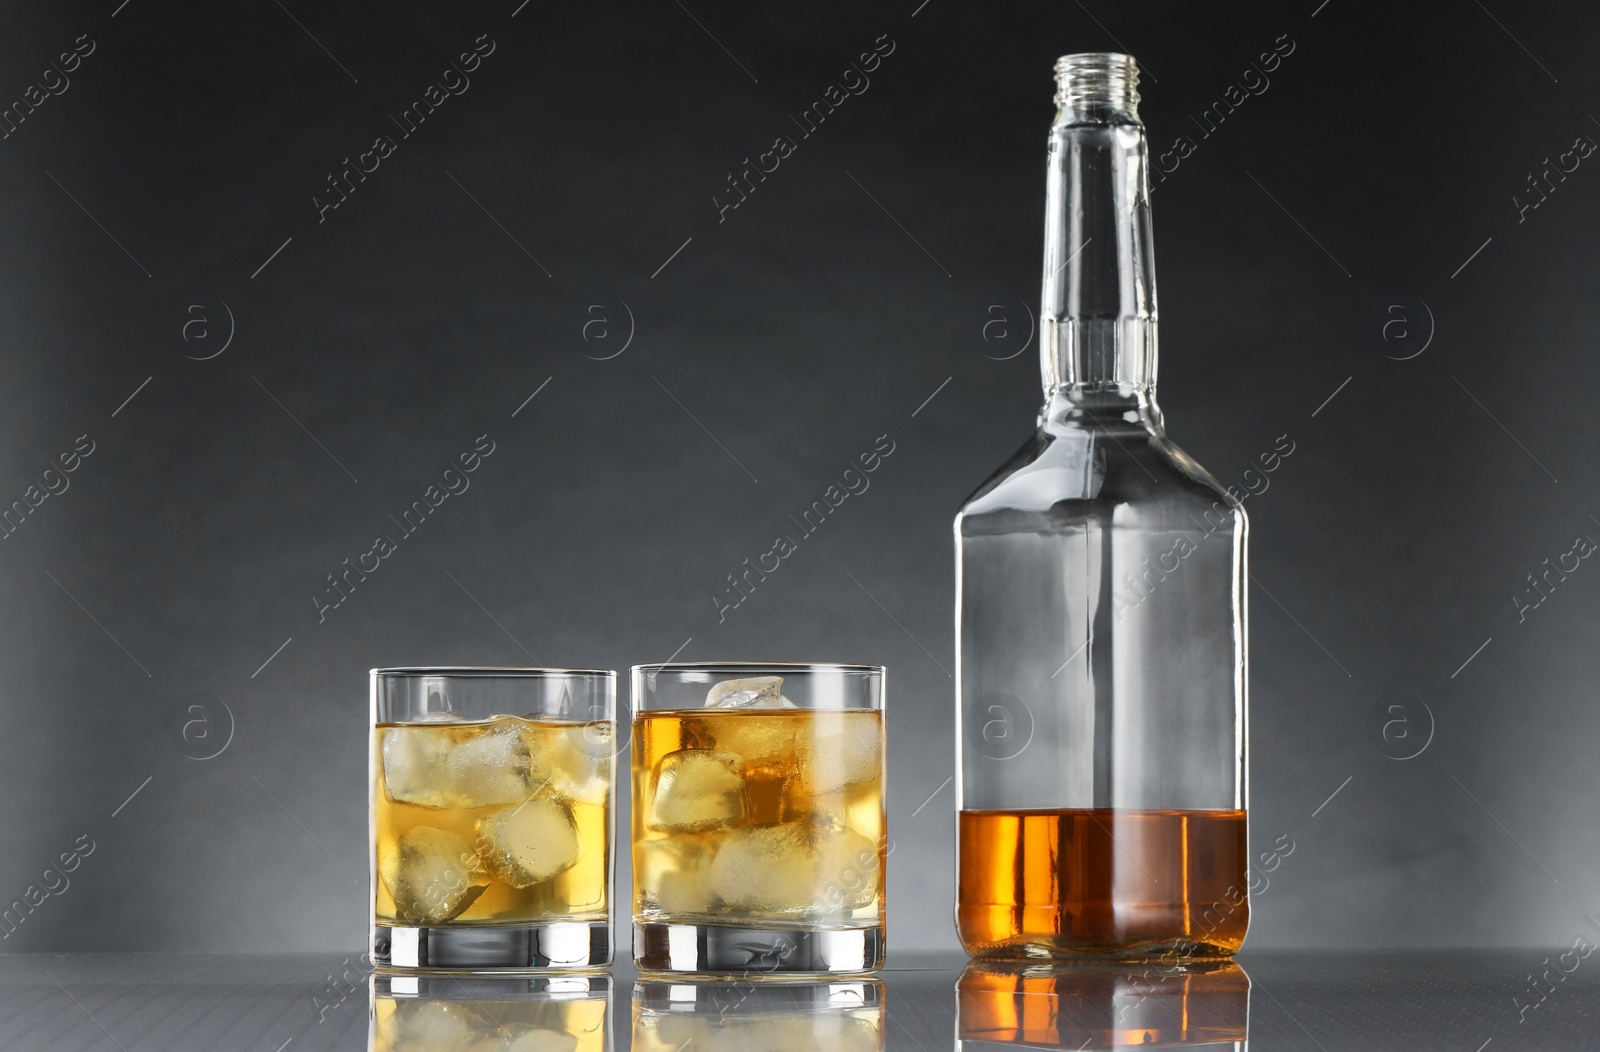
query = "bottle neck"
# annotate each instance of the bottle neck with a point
(1098, 316)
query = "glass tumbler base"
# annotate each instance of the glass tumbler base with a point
(721, 949)
(519, 947)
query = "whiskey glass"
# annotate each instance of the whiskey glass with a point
(758, 817)
(491, 817)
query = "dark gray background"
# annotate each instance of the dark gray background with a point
(190, 544)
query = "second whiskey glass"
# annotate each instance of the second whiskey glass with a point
(758, 817)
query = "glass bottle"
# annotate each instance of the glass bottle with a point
(1100, 609)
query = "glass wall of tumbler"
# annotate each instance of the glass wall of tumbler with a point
(758, 817)
(491, 817)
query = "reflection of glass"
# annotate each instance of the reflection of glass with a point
(437, 1013)
(1002, 1005)
(763, 1016)
(758, 817)
(491, 817)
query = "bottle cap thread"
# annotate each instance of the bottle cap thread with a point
(1098, 85)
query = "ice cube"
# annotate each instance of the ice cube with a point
(581, 762)
(683, 1030)
(528, 843)
(766, 868)
(433, 875)
(698, 789)
(850, 1033)
(669, 875)
(490, 766)
(523, 1037)
(788, 1032)
(572, 760)
(431, 1026)
(794, 867)
(755, 692)
(413, 759)
(455, 766)
(847, 866)
(843, 749)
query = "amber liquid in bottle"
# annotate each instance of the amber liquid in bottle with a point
(1103, 880)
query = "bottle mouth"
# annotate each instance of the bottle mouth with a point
(1098, 85)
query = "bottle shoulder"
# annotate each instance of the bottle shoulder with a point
(1079, 469)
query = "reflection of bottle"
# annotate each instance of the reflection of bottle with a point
(1100, 609)
(760, 1016)
(449, 1013)
(1093, 1006)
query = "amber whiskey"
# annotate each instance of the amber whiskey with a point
(770, 817)
(1107, 881)
(497, 821)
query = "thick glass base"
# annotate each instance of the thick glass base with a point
(719, 949)
(1066, 949)
(521, 947)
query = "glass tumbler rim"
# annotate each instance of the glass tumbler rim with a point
(488, 672)
(745, 666)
